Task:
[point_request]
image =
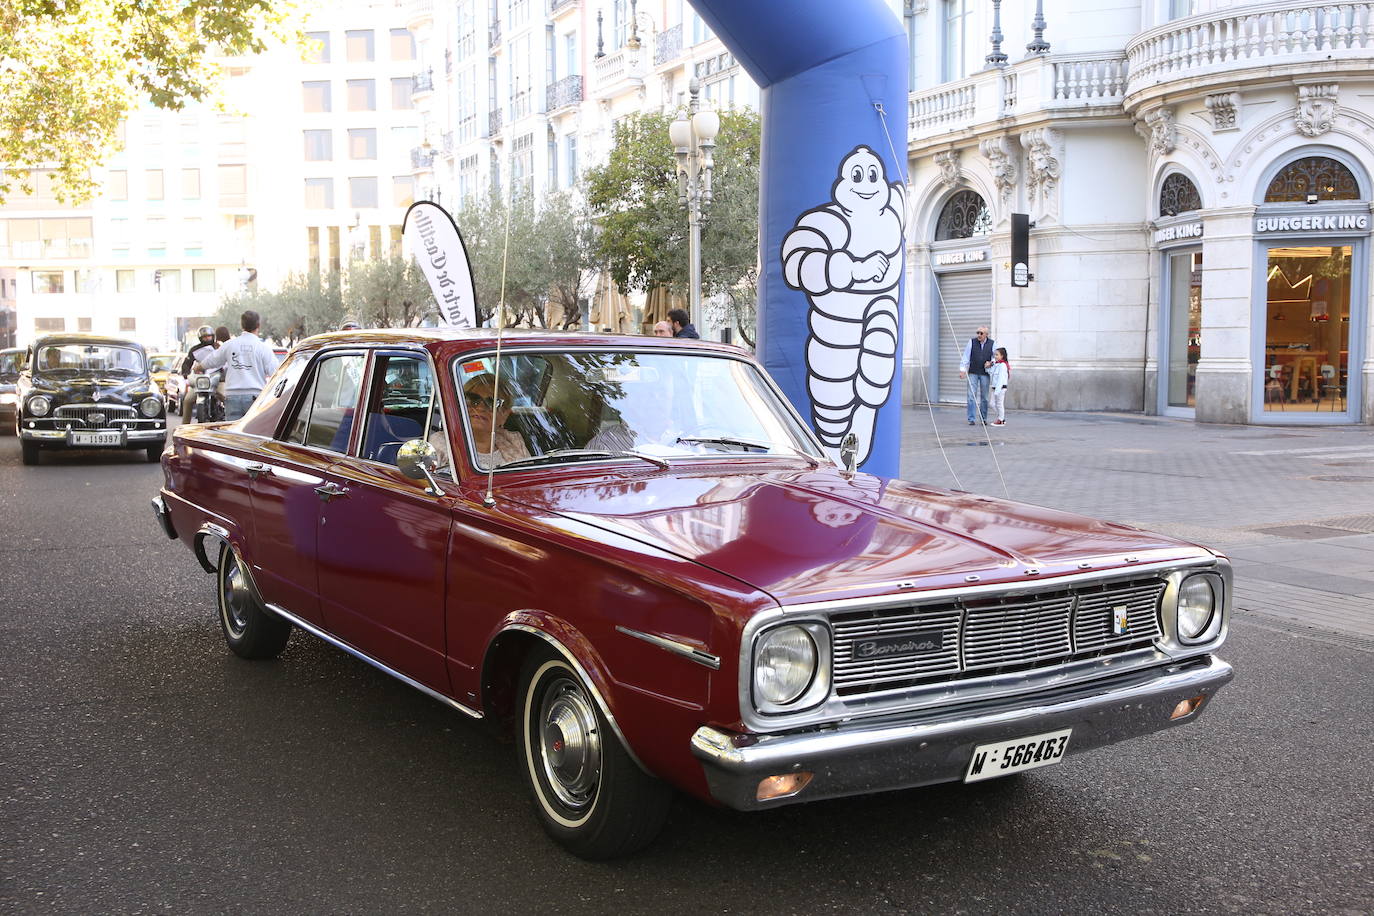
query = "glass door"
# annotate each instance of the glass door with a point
(1307, 329)
(1184, 346)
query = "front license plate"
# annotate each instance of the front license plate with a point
(1000, 759)
(80, 438)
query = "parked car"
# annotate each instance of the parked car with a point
(161, 366)
(89, 391)
(11, 362)
(634, 555)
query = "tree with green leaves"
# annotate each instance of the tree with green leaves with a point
(71, 70)
(642, 227)
(387, 293)
(565, 253)
(305, 304)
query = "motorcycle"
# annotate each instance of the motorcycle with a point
(204, 398)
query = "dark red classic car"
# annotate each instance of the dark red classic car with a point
(633, 553)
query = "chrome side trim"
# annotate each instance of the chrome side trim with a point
(675, 647)
(362, 656)
(587, 682)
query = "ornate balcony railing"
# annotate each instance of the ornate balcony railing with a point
(565, 92)
(557, 5)
(494, 122)
(422, 158)
(494, 34)
(1218, 43)
(1066, 84)
(424, 81)
(944, 108)
(668, 45)
(625, 65)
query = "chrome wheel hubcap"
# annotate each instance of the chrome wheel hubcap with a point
(570, 743)
(236, 597)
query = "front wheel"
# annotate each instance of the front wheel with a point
(30, 450)
(251, 630)
(590, 795)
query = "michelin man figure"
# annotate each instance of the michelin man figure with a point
(846, 255)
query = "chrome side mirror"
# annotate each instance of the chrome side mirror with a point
(418, 460)
(849, 451)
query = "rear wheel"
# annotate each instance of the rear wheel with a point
(590, 795)
(250, 629)
(30, 450)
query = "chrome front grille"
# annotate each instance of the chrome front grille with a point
(973, 637)
(93, 416)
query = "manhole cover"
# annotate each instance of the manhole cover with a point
(1305, 532)
(1344, 478)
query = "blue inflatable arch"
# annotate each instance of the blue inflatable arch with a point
(832, 208)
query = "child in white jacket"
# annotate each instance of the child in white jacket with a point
(999, 373)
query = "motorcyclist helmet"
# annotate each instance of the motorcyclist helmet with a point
(350, 325)
(205, 331)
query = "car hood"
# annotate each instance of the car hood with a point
(822, 535)
(85, 389)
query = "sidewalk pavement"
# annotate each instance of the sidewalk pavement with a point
(1293, 507)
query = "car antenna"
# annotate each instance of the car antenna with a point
(490, 500)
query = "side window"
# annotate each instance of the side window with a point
(324, 418)
(402, 405)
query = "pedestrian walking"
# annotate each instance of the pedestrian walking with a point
(682, 324)
(999, 373)
(248, 361)
(974, 367)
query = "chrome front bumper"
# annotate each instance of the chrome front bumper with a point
(897, 752)
(131, 436)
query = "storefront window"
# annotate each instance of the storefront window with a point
(963, 216)
(1313, 179)
(1185, 326)
(1307, 328)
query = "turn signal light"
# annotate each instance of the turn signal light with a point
(1187, 707)
(771, 787)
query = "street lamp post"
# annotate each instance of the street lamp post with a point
(694, 139)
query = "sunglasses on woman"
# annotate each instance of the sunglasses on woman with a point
(476, 400)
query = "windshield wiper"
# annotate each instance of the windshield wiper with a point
(576, 453)
(748, 443)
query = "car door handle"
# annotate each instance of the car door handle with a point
(257, 470)
(330, 490)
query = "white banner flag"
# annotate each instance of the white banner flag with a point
(432, 237)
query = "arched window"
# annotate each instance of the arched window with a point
(1178, 195)
(1319, 175)
(964, 216)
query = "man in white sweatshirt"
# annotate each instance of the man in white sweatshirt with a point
(248, 361)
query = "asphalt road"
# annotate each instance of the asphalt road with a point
(145, 769)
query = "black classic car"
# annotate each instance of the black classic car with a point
(11, 361)
(89, 391)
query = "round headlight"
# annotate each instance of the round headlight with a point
(39, 405)
(1197, 602)
(150, 406)
(784, 664)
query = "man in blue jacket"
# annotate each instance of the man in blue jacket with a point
(974, 367)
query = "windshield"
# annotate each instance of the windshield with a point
(163, 362)
(88, 359)
(556, 407)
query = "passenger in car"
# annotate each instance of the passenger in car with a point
(488, 407)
